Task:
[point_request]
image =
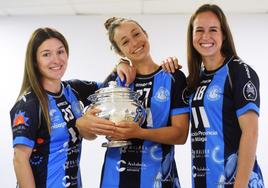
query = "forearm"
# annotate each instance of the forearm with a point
(246, 159)
(24, 173)
(166, 135)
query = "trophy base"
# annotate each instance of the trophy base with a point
(115, 144)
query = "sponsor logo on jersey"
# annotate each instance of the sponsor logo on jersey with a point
(214, 93)
(121, 169)
(65, 182)
(36, 160)
(162, 95)
(122, 166)
(71, 164)
(58, 125)
(155, 153)
(123, 149)
(20, 119)
(143, 84)
(250, 91)
(40, 140)
(54, 115)
(200, 171)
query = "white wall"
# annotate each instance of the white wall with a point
(91, 59)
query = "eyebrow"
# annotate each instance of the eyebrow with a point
(133, 30)
(213, 27)
(49, 50)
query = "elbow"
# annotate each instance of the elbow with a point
(181, 140)
(17, 161)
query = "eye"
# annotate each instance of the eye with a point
(62, 51)
(136, 34)
(46, 54)
(213, 30)
(197, 30)
(124, 42)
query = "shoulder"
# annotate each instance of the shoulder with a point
(81, 85)
(27, 102)
(238, 68)
(76, 83)
(178, 76)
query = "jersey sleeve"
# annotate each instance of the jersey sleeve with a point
(84, 89)
(24, 122)
(178, 104)
(245, 88)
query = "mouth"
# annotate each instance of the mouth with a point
(206, 45)
(138, 49)
(56, 68)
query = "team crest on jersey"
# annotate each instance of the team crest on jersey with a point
(214, 93)
(250, 91)
(20, 119)
(77, 107)
(162, 95)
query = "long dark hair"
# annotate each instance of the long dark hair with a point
(32, 77)
(194, 58)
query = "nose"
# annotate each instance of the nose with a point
(206, 35)
(134, 42)
(56, 58)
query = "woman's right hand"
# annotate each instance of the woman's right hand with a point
(126, 71)
(90, 125)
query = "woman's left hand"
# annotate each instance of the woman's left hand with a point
(170, 64)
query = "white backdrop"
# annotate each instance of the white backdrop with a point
(92, 59)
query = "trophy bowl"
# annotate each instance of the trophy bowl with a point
(118, 104)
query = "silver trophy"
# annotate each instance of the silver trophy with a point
(118, 104)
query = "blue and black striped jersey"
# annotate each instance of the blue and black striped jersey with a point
(55, 156)
(146, 164)
(220, 99)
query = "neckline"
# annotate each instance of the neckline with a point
(149, 75)
(57, 94)
(209, 73)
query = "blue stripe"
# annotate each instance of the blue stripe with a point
(99, 84)
(24, 141)
(160, 117)
(178, 111)
(215, 143)
(56, 172)
(111, 174)
(249, 106)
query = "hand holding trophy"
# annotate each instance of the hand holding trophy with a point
(118, 104)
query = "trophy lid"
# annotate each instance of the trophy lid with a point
(114, 91)
(113, 87)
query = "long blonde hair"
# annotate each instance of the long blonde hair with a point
(32, 77)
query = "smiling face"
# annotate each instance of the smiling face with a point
(51, 60)
(132, 41)
(207, 35)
